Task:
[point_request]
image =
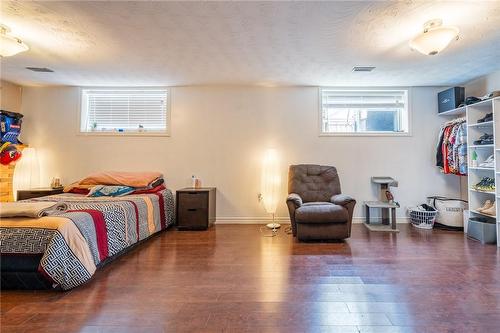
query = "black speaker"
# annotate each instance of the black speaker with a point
(450, 99)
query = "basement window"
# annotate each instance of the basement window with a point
(364, 112)
(122, 111)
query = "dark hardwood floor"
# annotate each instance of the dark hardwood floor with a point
(231, 279)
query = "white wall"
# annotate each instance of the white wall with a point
(10, 96)
(220, 134)
(483, 85)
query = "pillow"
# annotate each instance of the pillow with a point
(110, 191)
(132, 179)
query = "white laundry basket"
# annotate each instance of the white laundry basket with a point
(422, 219)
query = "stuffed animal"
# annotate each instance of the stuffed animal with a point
(9, 153)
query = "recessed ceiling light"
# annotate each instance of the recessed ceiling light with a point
(363, 68)
(435, 37)
(40, 69)
(10, 45)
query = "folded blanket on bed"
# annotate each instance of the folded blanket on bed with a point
(147, 190)
(132, 179)
(31, 209)
(77, 188)
(106, 189)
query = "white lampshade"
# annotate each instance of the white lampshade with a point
(435, 38)
(27, 171)
(10, 45)
(271, 181)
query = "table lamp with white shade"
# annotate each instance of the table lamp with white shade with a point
(27, 171)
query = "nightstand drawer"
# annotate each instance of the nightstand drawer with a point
(192, 218)
(189, 200)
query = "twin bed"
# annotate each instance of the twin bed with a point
(64, 249)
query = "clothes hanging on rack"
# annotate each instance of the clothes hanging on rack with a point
(451, 151)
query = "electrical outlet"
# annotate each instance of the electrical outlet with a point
(260, 196)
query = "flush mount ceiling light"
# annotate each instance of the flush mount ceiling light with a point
(40, 69)
(363, 68)
(435, 37)
(10, 45)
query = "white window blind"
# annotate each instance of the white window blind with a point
(134, 110)
(364, 111)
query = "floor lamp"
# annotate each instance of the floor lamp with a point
(271, 184)
(26, 172)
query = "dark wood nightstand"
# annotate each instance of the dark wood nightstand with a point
(195, 208)
(38, 192)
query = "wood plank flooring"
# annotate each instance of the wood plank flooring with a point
(231, 279)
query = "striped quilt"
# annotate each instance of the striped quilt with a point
(75, 242)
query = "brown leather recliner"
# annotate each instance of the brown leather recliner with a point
(318, 210)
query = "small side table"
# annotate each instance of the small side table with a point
(195, 208)
(37, 192)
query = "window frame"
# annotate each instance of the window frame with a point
(165, 133)
(379, 134)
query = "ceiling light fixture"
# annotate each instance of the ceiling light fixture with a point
(435, 37)
(10, 45)
(40, 69)
(363, 68)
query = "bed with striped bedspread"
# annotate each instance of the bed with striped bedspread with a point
(74, 243)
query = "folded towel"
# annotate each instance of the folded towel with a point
(31, 209)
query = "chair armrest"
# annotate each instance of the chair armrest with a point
(295, 199)
(342, 199)
(348, 203)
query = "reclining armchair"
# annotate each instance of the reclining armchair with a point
(318, 210)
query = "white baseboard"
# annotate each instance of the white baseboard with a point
(251, 220)
(286, 220)
(399, 219)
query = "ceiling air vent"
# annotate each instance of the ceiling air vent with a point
(40, 69)
(363, 68)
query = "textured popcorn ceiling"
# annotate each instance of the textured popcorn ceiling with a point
(263, 43)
